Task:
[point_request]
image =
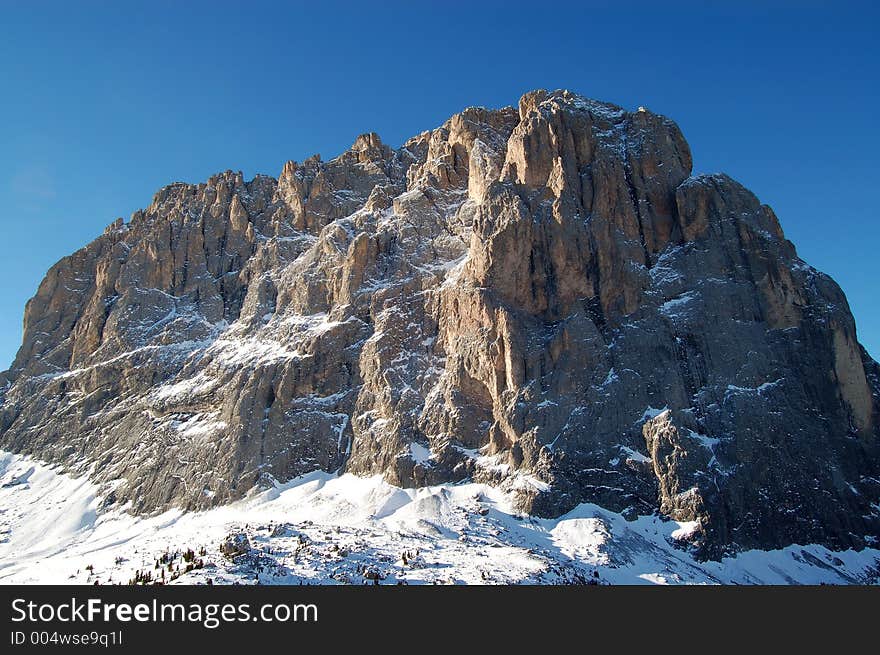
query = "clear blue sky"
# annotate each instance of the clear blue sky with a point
(103, 103)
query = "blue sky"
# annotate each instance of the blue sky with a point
(103, 103)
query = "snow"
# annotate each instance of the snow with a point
(676, 306)
(324, 528)
(611, 377)
(419, 454)
(200, 424)
(520, 480)
(685, 529)
(193, 386)
(664, 271)
(454, 270)
(652, 412)
(634, 455)
(582, 538)
(706, 442)
(314, 323)
(605, 110)
(341, 432)
(760, 389)
(244, 351)
(171, 350)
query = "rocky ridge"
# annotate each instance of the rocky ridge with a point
(543, 298)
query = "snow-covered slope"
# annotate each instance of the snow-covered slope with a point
(322, 528)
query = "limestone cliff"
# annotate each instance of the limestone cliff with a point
(542, 297)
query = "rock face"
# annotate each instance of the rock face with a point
(542, 297)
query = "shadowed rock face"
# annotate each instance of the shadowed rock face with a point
(542, 297)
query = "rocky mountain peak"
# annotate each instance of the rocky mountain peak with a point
(541, 297)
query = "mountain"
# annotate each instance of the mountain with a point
(541, 298)
(345, 529)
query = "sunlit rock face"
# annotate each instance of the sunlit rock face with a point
(542, 297)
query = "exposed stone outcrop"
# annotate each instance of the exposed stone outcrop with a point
(544, 297)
